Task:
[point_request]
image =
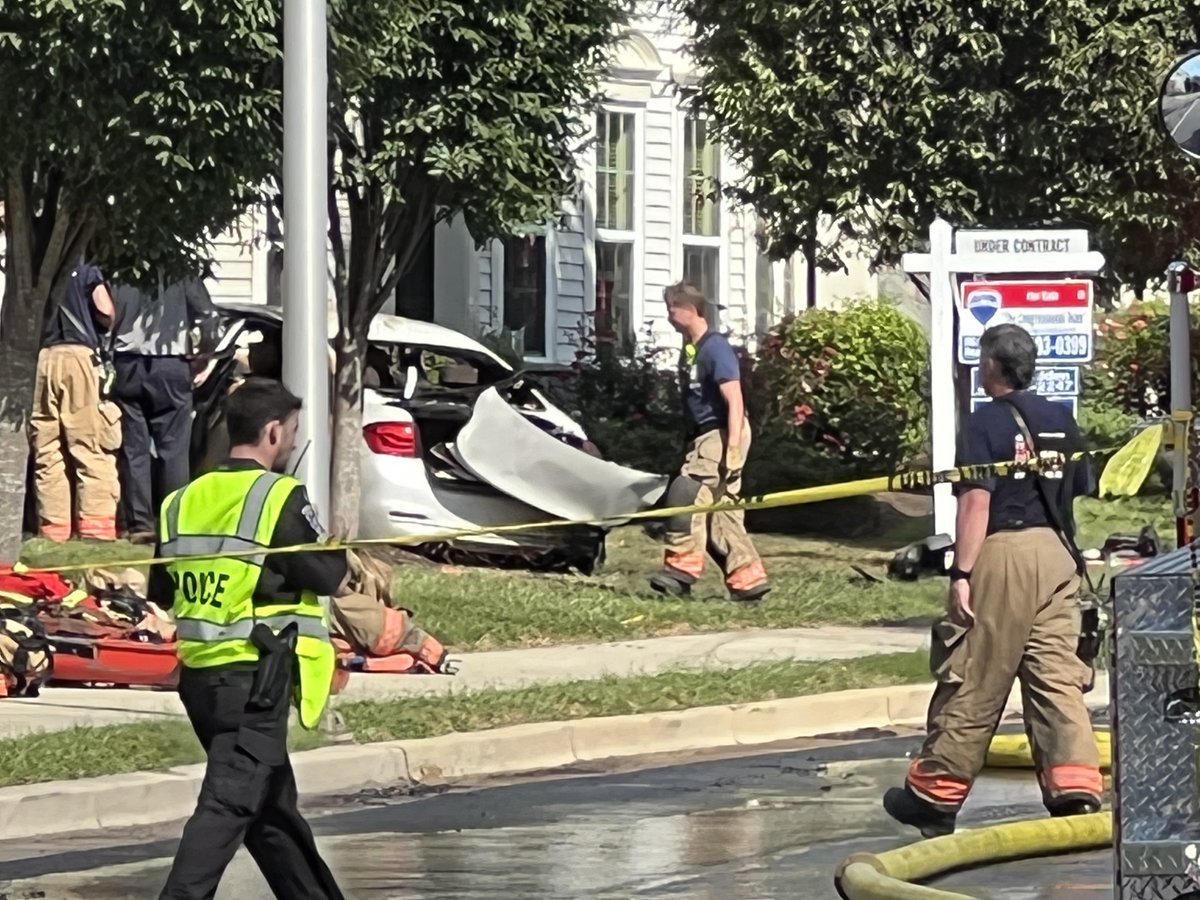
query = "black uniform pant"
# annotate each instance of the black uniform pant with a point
(155, 397)
(248, 796)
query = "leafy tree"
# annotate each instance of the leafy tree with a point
(438, 109)
(878, 116)
(133, 130)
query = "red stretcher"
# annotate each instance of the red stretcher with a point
(130, 663)
(115, 661)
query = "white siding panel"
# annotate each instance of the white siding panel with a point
(658, 199)
(570, 311)
(659, 222)
(232, 279)
(573, 256)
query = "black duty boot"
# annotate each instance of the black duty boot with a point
(1072, 805)
(751, 594)
(908, 809)
(670, 583)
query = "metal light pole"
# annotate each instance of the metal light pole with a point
(1181, 281)
(305, 278)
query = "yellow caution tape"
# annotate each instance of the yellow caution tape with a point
(915, 479)
(1129, 466)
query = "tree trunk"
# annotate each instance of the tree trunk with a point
(20, 322)
(347, 432)
(810, 257)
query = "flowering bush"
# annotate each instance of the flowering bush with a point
(848, 381)
(1130, 378)
(1131, 371)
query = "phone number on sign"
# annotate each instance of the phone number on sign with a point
(1050, 347)
(1063, 346)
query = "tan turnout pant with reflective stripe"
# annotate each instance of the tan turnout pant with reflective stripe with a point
(67, 423)
(1027, 625)
(723, 532)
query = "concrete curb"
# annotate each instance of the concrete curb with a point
(145, 798)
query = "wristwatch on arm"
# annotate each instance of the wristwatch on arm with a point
(957, 574)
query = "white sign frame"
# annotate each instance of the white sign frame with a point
(942, 264)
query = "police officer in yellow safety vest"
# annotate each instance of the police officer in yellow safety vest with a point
(253, 639)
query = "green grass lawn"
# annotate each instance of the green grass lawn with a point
(115, 749)
(814, 584)
(39, 552)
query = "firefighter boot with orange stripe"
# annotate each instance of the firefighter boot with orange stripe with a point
(749, 583)
(908, 809)
(1071, 790)
(679, 572)
(930, 799)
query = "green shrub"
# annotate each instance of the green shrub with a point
(1104, 423)
(845, 381)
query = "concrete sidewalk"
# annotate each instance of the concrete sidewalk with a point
(62, 708)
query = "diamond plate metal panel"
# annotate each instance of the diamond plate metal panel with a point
(1156, 788)
(1159, 648)
(1174, 887)
(1157, 857)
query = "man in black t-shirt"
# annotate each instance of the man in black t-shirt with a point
(1012, 611)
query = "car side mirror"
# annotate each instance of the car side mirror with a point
(1179, 104)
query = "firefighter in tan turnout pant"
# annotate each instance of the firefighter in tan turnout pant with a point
(712, 469)
(73, 429)
(1012, 610)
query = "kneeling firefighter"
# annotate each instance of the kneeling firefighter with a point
(253, 638)
(1013, 610)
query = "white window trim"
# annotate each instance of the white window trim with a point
(551, 236)
(720, 240)
(723, 213)
(635, 236)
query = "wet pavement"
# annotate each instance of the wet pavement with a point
(762, 826)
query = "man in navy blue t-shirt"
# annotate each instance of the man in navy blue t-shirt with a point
(1012, 610)
(72, 421)
(719, 442)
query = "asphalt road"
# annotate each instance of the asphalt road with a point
(763, 826)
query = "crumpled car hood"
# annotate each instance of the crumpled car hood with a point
(499, 446)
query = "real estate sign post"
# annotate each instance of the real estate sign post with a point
(1056, 311)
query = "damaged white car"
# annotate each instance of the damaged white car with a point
(453, 439)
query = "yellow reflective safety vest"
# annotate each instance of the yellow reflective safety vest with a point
(227, 511)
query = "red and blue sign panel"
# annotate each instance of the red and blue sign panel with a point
(1058, 314)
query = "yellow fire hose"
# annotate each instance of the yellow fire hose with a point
(1011, 751)
(889, 875)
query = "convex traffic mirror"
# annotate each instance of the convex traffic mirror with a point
(1179, 104)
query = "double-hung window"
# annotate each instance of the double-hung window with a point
(702, 211)
(616, 228)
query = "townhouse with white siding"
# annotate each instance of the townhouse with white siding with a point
(644, 218)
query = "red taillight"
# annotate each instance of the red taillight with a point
(391, 438)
